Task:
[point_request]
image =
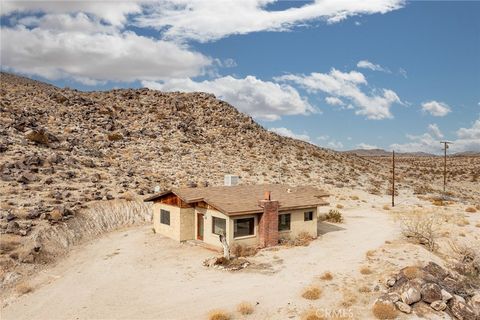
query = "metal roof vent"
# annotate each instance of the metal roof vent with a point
(230, 180)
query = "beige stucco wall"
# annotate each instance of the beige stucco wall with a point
(298, 225)
(182, 222)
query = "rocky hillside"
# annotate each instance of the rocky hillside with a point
(67, 147)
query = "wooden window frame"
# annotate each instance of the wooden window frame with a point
(213, 225)
(308, 216)
(162, 219)
(289, 221)
(251, 226)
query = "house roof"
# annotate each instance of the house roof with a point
(244, 199)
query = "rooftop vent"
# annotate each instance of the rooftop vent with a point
(157, 189)
(230, 180)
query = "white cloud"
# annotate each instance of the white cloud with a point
(334, 101)
(366, 146)
(289, 133)
(87, 51)
(262, 99)
(214, 19)
(435, 131)
(467, 139)
(365, 64)
(336, 145)
(323, 137)
(435, 108)
(347, 85)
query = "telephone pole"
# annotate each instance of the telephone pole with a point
(445, 147)
(393, 178)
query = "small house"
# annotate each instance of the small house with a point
(252, 215)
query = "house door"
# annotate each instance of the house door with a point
(200, 228)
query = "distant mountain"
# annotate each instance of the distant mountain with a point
(383, 153)
(467, 154)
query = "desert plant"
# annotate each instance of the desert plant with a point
(218, 314)
(23, 288)
(311, 293)
(339, 206)
(422, 228)
(467, 257)
(384, 310)
(245, 308)
(471, 210)
(326, 276)
(311, 314)
(239, 250)
(334, 216)
(412, 272)
(365, 270)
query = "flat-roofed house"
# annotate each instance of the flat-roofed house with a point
(256, 215)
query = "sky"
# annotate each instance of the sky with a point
(341, 74)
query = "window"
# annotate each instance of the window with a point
(219, 226)
(308, 216)
(164, 217)
(284, 222)
(244, 227)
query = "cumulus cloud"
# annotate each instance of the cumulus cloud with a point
(365, 64)
(348, 85)
(289, 133)
(467, 139)
(366, 146)
(200, 20)
(334, 101)
(435, 108)
(262, 99)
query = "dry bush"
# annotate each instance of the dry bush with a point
(334, 216)
(467, 257)
(245, 308)
(412, 272)
(23, 288)
(114, 137)
(8, 245)
(239, 250)
(339, 206)
(471, 210)
(370, 253)
(312, 293)
(384, 311)
(327, 276)
(365, 270)
(302, 239)
(386, 207)
(218, 314)
(349, 299)
(129, 196)
(422, 228)
(364, 289)
(311, 314)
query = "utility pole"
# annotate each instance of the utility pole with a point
(445, 147)
(393, 178)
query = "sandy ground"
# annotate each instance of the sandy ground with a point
(135, 274)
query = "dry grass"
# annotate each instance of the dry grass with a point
(386, 207)
(339, 206)
(370, 253)
(239, 250)
(412, 272)
(311, 314)
(354, 198)
(311, 293)
(384, 311)
(365, 270)
(245, 308)
(364, 289)
(471, 210)
(349, 299)
(8, 245)
(327, 276)
(218, 314)
(23, 288)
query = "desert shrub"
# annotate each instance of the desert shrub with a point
(386, 207)
(311, 314)
(218, 314)
(364, 289)
(129, 196)
(239, 250)
(326, 276)
(23, 288)
(8, 245)
(311, 293)
(384, 310)
(412, 272)
(334, 216)
(467, 258)
(421, 228)
(302, 239)
(114, 137)
(365, 270)
(245, 308)
(339, 206)
(471, 210)
(354, 198)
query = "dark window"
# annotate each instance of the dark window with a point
(284, 222)
(308, 216)
(219, 226)
(243, 227)
(164, 217)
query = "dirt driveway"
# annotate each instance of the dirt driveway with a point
(135, 274)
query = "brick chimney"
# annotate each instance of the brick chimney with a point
(268, 221)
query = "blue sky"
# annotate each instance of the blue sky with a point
(340, 74)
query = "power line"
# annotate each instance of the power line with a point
(445, 147)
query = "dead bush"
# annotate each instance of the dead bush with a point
(412, 272)
(302, 239)
(326, 276)
(114, 137)
(422, 228)
(239, 250)
(245, 308)
(218, 314)
(339, 206)
(365, 270)
(471, 210)
(334, 216)
(23, 288)
(311, 293)
(384, 310)
(311, 314)
(386, 207)
(8, 245)
(467, 257)
(129, 196)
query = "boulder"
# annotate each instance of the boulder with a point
(431, 292)
(475, 303)
(435, 270)
(383, 308)
(26, 178)
(391, 282)
(40, 136)
(33, 214)
(446, 295)
(460, 309)
(405, 308)
(10, 217)
(13, 227)
(438, 305)
(411, 293)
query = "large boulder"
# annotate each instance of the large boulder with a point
(405, 308)
(438, 305)
(460, 309)
(411, 292)
(435, 270)
(431, 292)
